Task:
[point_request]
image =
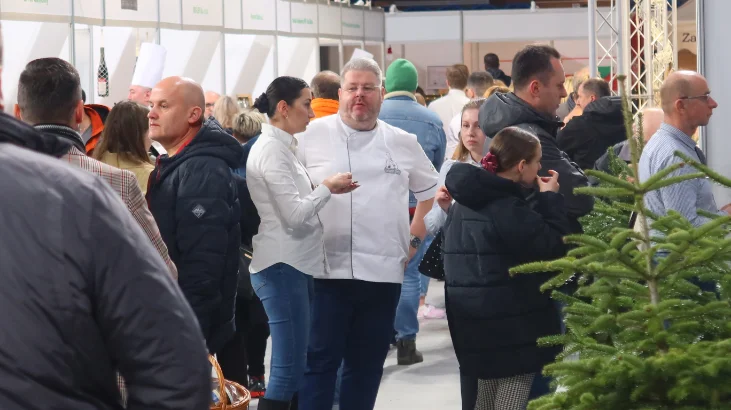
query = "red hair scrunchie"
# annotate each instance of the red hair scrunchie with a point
(489, 163)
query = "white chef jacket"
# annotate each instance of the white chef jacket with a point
(290, 230)
(446, 108)
(367, 231)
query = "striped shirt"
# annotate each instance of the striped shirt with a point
(686, 197)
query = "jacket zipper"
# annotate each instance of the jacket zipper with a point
(350, 169)
(153, 179)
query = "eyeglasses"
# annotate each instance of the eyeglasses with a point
(366, 89)
(210, 105)
(703, 97)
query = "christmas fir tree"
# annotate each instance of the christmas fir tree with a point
(647, 335)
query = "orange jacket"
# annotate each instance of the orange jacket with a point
(324, 107)
(97, 114)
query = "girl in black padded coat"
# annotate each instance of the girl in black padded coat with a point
(495, 319)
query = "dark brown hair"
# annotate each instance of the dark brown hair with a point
(512, 145)
(124, 133)
(461, 152)
(533, 61)
(597, 87)
(457, 76)
(49, 91)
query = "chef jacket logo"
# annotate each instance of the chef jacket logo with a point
(391, 166)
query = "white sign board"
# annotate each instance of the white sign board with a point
(202, 13)
(687, 37)
(131, 10)
(374, 25)
(329, 20)
(170, 11)
(421, 27)
(283, 16)
(352, 22)
(89, 9)
(360, 53)
(48, 7)
(259, 15)
(304, 18)
(232, 14)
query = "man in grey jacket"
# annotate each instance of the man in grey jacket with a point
(85, 293)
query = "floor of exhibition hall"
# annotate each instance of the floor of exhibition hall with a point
(431, 385)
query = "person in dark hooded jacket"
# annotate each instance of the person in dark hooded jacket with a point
(538, 78)
(492, 66)
(85, 293)
(601, 125)
(193, 197)
(495, 319)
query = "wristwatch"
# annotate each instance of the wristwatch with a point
(415, 241)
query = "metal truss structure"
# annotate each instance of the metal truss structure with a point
(638, 39)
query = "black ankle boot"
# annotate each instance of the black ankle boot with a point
(407, 353)
(266, 404)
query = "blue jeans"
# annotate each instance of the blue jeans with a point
(406, 323)
(352, 324)
(286, 294)
(424, 285)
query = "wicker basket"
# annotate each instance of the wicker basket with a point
(241, 404)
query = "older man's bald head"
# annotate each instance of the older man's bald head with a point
(681, 84)
(188, 90)
(176, 111)
(652, 118)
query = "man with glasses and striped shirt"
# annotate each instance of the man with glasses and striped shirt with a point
(687, 105)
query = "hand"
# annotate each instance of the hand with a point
(443, 198)
(727, 208)
(548, 184)
(412, 252)
(341, 183)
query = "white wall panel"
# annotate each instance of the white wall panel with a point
(200, 60)
(249, 64)
(422, 27)
(232, 14)
(298, 57)
(39, 40)
(329, 20)
(260, 14)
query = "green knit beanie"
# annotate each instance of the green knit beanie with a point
(401, 76)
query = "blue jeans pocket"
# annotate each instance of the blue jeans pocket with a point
(259, 279)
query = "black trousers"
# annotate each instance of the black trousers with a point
(243, 355)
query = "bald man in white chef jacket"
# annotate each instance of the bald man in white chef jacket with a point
(368, 239)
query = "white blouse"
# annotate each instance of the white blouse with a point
(290, 231)
(435, 219)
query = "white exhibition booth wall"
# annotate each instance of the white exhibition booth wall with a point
(466, 36)
(446, 38)
(229, 46)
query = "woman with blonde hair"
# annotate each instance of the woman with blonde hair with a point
(246, 129)
(469, 150)
(124, 143)
(225, 111)
(496, 89)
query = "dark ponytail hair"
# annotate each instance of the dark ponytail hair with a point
(284, 88)
(510, 146)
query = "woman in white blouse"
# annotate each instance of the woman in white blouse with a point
(289, 248)
(470, 150)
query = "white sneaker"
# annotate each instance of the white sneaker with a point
(430, 312)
